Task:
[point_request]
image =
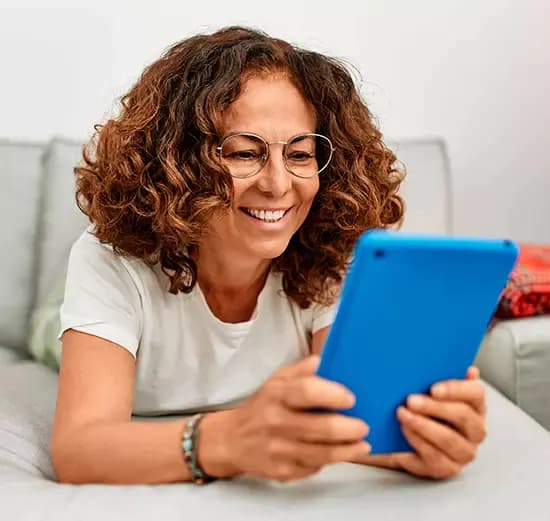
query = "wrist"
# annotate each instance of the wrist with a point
(214, 451)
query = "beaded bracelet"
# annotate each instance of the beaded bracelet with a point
(189, 446)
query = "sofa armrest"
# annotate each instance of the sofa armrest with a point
(514, 357)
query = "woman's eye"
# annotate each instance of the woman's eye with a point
(300, 156)
(245, 155)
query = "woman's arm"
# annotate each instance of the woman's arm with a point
(94, 439)
(318, 340)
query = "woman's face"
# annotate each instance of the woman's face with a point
(269, 207)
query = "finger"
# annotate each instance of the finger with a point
(323, 427)
(473, 373)
(304, 367)
(302, 472)
(288, 471)
(313, 392)
(468, 391)
(448, 441)
(384, 461)
(460, 415)
(431, 462)
(411, 462)
(320, 454)
(314, 455)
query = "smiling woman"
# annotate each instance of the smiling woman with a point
(224, 201)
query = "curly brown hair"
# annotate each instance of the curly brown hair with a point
(150, 179)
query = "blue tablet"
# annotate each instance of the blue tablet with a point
(413, 311)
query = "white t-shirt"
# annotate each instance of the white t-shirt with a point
(186, 358)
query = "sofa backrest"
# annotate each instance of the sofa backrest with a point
(20, 199)
(427, 186)
(60, 222)
(40, 219)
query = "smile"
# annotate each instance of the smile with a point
(268, 216)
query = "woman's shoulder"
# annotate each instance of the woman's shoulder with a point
(89, 255)
(87, 247)
(88, 242)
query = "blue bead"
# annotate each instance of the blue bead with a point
(187, 444)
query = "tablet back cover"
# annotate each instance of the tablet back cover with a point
(413, 312)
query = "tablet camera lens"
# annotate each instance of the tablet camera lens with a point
(379, 253)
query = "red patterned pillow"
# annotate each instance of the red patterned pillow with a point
(527, 292)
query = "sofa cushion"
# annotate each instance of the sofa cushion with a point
(515, 358)
(27, 404)
(20, 172)
(9, 356)
(45, 324)
(508, 481)
(61, 220)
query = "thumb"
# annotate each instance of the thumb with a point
(305, 367)
(473, 373)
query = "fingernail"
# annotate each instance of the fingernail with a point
(350, 398)
(415, 400)
(403, 413)
(368, 447)
(439, 390)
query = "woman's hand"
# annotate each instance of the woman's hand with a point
(442, 447)
(273, 435)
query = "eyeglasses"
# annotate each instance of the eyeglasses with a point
(245, 154)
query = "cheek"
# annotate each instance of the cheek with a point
(240, 187)
(308, 191)
(219, 224)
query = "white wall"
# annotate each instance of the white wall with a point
(476, 73)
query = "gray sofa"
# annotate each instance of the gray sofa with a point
(509, 480)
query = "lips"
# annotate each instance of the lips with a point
(266, 215)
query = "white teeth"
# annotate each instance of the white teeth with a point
(267, 215)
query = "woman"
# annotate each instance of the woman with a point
(224, 203)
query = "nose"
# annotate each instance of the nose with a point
(275, 180)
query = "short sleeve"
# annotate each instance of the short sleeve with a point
(101, 297)
(322, 316)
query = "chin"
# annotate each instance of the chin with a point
(268, 251)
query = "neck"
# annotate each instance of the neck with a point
(230, 282)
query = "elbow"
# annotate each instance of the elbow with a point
(60, 462)
(68, 463)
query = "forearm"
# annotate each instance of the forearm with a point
(134, 453)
